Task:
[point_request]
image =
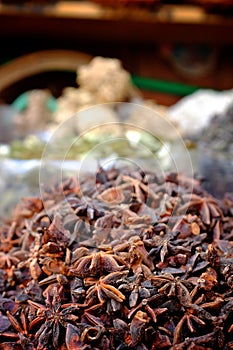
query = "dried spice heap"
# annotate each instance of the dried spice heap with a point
(133, 262)
(219, 134)
(215, 148)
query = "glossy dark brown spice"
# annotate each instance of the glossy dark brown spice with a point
(135, 263)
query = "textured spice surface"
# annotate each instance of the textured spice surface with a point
(131, 262)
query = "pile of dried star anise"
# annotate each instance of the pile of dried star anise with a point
(134, 262)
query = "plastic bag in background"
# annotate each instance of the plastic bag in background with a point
(138, 136)
(18, 179)
(7, 117)
(21, 178)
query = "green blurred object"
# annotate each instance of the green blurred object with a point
(167, 87)
(21, 103)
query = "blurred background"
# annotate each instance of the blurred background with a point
(175, 41)
(176, 57)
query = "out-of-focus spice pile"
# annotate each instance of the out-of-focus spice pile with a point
(219, 135)
(134, 262)
(103, 80)
(215, 149)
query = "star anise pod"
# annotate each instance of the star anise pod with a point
(172, 287)
(207, 207)
(52, 317)
(97, 263)
(104, 289)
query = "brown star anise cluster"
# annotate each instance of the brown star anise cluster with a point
(135, 263)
